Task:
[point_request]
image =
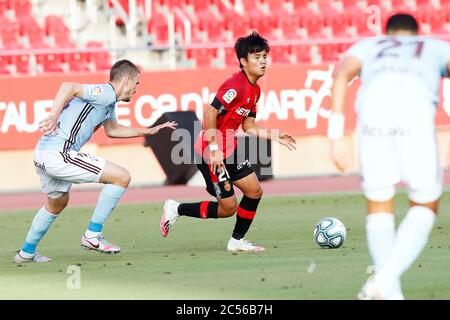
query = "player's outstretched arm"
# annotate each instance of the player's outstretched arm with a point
(66, 91)
(251, 127)
(115, 130)
(211, 134)
(348, 69)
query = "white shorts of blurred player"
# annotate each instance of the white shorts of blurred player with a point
(58, 170)
(392, 155)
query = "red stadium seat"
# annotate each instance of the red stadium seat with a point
(10, 41)
(315, 27)
(202, 57)
(302, 53)
(22, 63)
(77, 61)
(214, 30)
(264, 25)
(329, 52)
(279, 55)
(158, 28)
(50, 62)
(54, 24)
(3, 7)
(62, 40)
(100, 59)
(230, 57)
(27, 24)
(399, 5)
(289, 25)
(10, 29)
(4, 62)
(21, 7)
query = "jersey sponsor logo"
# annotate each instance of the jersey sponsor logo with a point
(229, 95)
(241, 165)
(242, 112)
(96, 90)
(40, 166)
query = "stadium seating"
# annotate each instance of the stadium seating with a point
(220, 22)
(50, 62)
(21, 63)
(20, 31)
(101, 59)
(286, 20)
(4, 63)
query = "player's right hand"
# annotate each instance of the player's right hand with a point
(287, 140)
(216, 158)
(340, 155)
(48, 125)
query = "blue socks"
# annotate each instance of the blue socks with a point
(41, 223)
(107, 201)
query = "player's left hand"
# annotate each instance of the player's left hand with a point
(287, 140)
(48, 125)
(169, 124)
(340, 155)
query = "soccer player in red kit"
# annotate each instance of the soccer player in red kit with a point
(221, 165)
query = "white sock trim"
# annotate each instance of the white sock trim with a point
(91, 234)
(380, 234)
(380, 216)
(49, 213)
(411, 238)
(426, 215)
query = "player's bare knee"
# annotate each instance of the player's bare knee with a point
(259, 193)
(54, 209)
(228, 210)
(126, 178)
(123, 179)
(255, 194)
(55, 206)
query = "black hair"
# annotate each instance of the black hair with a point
(402, 21)
(123, 68)
(250, 44)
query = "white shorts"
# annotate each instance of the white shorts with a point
(390, 156)
(58, 170)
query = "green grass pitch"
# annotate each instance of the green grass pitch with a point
(192, 263)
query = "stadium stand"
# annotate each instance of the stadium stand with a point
(204, 30)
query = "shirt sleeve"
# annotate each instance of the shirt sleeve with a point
(226, 97)
(112, 114)
(358, 50)
(254, 109)
(99, 94)
(445, 58)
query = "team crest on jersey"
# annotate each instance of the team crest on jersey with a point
(229, 95)
(96, 90)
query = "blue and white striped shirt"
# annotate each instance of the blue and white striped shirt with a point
(80, 118)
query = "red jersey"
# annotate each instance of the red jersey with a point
(235, 100)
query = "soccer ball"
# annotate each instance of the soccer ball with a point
(330, 233)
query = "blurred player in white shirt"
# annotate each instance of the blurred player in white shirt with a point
(396, 103)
